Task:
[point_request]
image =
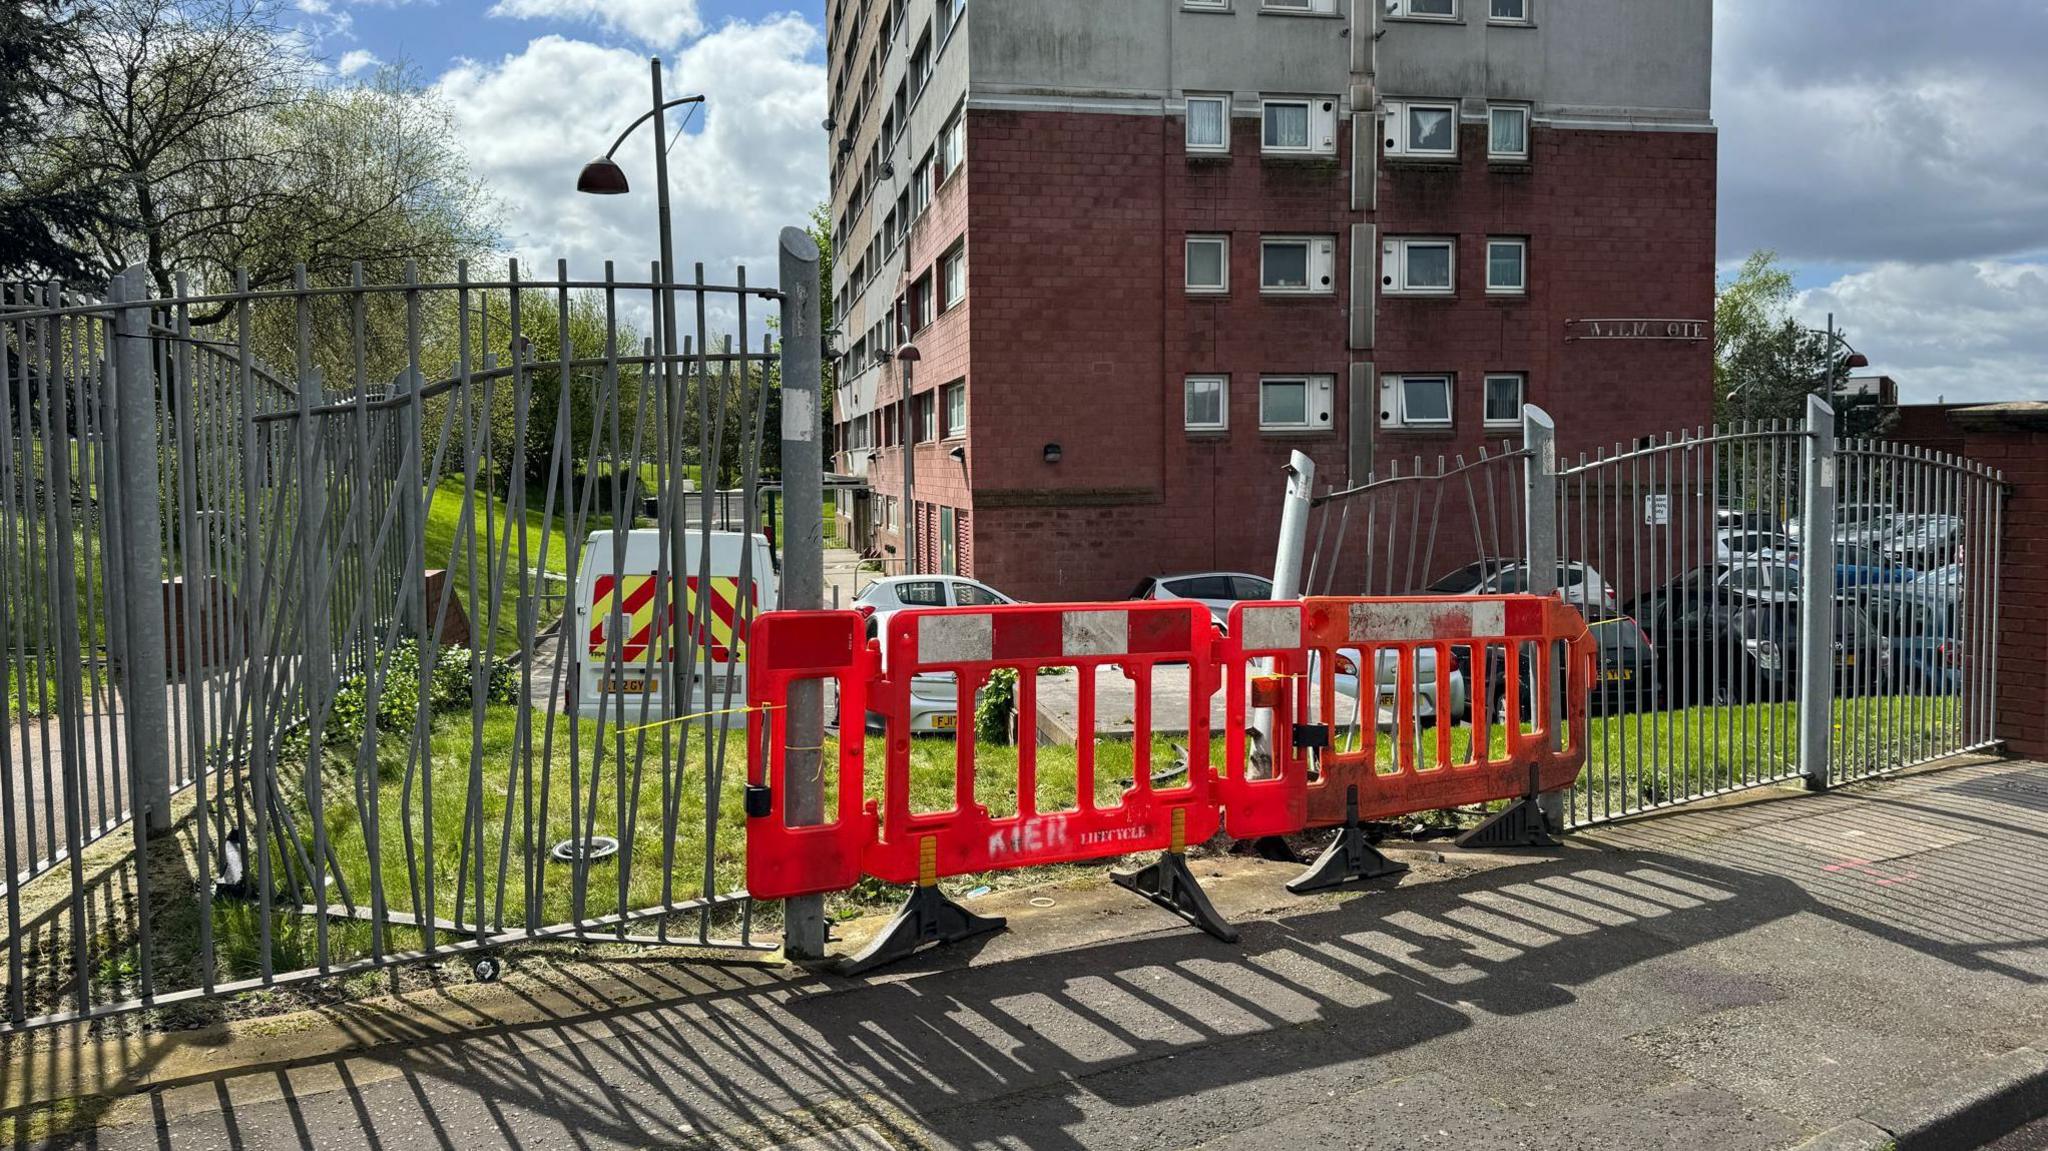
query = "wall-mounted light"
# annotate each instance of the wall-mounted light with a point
(1052, 453)
(959, 453)
(874, 455)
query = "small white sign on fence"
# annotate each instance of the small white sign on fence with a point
(1657, 510)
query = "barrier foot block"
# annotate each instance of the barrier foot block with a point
(1350, 858)
(927, 917)
(1521, 825)
(1170, 884)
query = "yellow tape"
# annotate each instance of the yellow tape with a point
(928, 861)
(706, 715)
(1180, 831)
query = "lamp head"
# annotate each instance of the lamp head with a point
(602, 177)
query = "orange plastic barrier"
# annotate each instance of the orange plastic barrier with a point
(1309, 686)
(791, 647)
(969, 643)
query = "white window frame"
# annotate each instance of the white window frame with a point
(1394, 255)
(1300, 7)
(1405, 10)
(1316, 406)
(1514, 419)
(1187, 137)
(1396, 129)
(1222, 421)
(1522, 247)
(955, 260)
(1493, 148)
(1400, 388)
(950, 154)
(1188, 264)
(948, 429)
(1207, 5)
(1517, 20)
(1321, 113)
(1328, 271)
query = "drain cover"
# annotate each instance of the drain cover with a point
(589, 850)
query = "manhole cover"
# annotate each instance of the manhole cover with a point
(590, 850)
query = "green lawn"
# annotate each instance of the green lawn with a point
(449, 539)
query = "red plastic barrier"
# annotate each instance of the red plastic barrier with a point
(1413, 656)
(969, 643)
(788, 648)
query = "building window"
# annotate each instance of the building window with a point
(1419, 267)
(951, 151)
(921, 188)
(1208, 124)
(1326, 7)
(1208, 408)
(954, 398)
(921, 63)
(950, 12)
(1507, 267)
(924, 415)
(952, 278)
(1299, 126)
(1297, 265)
(1509, 12)
(1428, 130)
(1208, 270)
(1507, 133)
(1211, 5)
(1420, 401)
(1295, 403)
(921, 314)
(1504, 400)
(1424, 9)
(949, 542)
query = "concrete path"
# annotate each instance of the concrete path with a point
(1742, 976)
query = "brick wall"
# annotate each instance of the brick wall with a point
(1620, 225)
(2012, 438)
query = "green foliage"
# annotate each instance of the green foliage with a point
(994, 707)
(1765, 361)
(398, 698)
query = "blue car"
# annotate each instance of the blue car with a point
(1921, 631)
(1861, 567)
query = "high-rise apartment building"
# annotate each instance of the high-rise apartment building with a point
(1146, 248)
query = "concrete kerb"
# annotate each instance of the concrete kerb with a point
(1975, 1108)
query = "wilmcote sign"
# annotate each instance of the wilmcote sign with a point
(1687, 330)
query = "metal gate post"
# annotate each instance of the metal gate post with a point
(1815, 656)
(143, 672)
(1539, 542)
(803, 558)
(1294, 513)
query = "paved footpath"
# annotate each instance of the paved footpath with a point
(1745, 976)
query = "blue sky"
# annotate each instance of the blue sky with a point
(1899, 163)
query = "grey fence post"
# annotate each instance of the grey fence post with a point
(803, 557)
(1815, 657)
(144, 675)
(1539, 542)
(1294, 515)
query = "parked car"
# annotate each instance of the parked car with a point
(934, 698)
(1719, 644)
(1850, 519)
(1922, 541)
(1216, 591)
(1579, 583)
(1857, 566)
(1734, 546)
(1921, 631)
(1625, 677)
(1430, 702)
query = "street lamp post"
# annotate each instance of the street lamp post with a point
(907, 361)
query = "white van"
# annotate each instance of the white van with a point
(606, 672)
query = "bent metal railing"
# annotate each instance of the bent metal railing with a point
(285, 584)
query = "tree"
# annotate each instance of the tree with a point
(224, 153)
(1765, 361)
(43, 207)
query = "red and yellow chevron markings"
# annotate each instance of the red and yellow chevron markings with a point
(633, 600)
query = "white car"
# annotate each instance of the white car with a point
(1217, 591)
(1428, 707)
(1745, 546)
(934, 699)
(1579, 583)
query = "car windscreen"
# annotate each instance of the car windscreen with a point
(1463, 580)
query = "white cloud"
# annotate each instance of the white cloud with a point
(1963, 330)
(356, 60)
(753, 162)
(657, 23)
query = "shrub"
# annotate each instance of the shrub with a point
(994, 706)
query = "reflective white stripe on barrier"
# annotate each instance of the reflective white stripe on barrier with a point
(955, 639)
(1086, 633)
(1270, 628)
(1409, 621)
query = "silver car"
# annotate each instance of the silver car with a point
(934, 697)
(1217, 591)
